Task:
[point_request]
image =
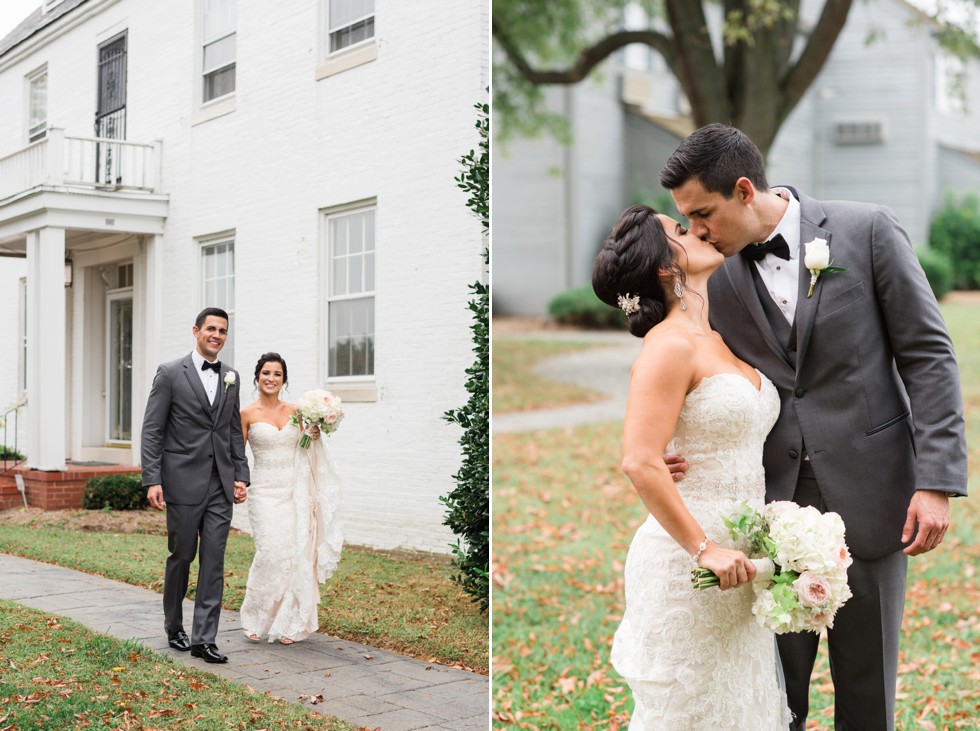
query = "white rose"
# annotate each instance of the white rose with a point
(817, 254)
(229, 379)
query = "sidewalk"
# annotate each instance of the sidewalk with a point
(602, 369)
(387, 691)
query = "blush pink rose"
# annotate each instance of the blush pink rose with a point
(812, 590)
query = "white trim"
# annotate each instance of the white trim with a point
(348, 58)
(21, 339)
(213, 109)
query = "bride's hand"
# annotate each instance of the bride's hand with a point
(733, 568)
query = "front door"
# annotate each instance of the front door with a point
(120, 363)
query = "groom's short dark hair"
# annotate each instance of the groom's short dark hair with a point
(717, 156)
(209, 312)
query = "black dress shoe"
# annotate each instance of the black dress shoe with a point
(179, 640)
(208, 652)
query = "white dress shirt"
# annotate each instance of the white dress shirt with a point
(780, 277)
(209, 378)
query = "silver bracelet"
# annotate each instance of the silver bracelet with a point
(701, 549)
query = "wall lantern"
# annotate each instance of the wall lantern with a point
(69, 269)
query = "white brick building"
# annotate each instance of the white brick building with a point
(291, 162)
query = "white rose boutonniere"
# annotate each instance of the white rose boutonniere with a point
(817, 260)
(229, 380)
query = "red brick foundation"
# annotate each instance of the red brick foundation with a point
(54, 490)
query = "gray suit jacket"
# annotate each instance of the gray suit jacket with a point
(183, 436)
(875, 394)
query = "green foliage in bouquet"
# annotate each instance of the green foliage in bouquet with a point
(751, 525)
(468, 505)
(116, 492)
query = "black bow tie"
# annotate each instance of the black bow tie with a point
(776, 245)
(216, 366)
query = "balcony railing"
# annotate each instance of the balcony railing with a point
(96, 163)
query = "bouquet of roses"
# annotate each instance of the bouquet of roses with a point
(801, 561)
(317, 408)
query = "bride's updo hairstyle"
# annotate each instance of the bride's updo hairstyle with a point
(629, 265)
(271, 358)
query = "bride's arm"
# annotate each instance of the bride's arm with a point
(661, 377)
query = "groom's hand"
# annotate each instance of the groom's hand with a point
(241, 494)
(154, 495)
(930, 511)
(676, 466)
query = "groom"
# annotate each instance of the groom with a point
(848, 438)
(194, 465)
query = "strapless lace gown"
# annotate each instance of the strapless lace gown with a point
(293, 507)
(696, 660)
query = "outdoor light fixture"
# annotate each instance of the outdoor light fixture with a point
(68, 269)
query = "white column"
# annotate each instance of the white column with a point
(46, 363)
(147, 323)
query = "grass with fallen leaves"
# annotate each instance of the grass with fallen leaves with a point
(516, 387)
(405, 604)
(563, 518)
(56, 674)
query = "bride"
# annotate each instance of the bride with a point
(293, 510)
(694, 659)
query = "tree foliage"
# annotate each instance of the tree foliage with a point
(750, 73)
(468, 505)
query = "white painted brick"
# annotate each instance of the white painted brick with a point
(392, 129)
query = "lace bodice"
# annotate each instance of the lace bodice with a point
(272, 448)
(720, 431)
(696, 660)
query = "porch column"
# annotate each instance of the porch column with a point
(147, 320)
(47, 408)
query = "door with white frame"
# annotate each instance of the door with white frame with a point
(119, 358)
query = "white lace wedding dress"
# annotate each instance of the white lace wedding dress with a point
(293, 503)
(696, 660)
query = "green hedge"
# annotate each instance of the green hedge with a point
(939, 271)
(955, 232)
(468, 504)
(581, 308)
(8, 453)
(117, 492)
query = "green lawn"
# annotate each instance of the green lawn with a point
(408, 605)
(56, 674)
(563, 518)
(516, 387)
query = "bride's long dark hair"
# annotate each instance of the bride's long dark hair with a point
(630, 263)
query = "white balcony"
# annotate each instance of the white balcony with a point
(81, 162)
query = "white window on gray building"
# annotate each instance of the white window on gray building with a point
(219, 52)
(950, 84)
(350, 293)
(349, 22)
(37, 104)
(218, 284)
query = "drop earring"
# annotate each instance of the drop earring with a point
(679, 293)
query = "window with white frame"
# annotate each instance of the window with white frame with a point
(349, 22)
(219, 47)
(37, 104)
(350, 293)
(218, 284)
(950, 84)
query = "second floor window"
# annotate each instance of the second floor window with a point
(37, 114)
(350, 22)
(219, 47)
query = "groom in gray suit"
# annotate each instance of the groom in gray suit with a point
(194, 465)
(871, 418)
